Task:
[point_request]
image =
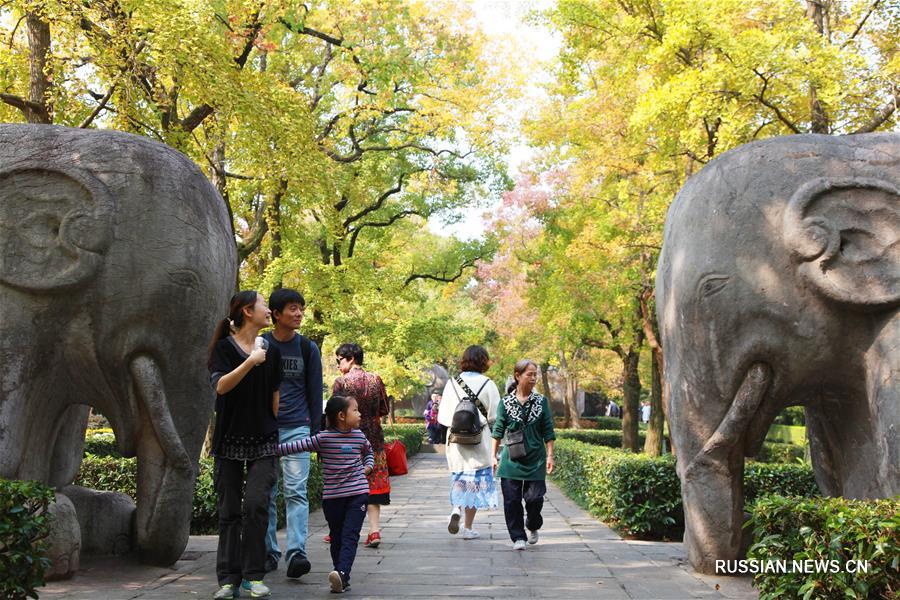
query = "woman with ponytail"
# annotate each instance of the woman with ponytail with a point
(246, 378)
(523, 415)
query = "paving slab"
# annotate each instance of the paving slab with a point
(577, 557)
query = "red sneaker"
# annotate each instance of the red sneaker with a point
(327, 539)
(373, 540)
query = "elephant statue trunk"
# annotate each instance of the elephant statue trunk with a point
(779, 284)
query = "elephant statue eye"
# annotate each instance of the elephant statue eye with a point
(712, 284)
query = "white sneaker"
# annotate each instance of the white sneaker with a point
(533, 537)
(519, 545)
(258, 590)
(453, 525)
(227, 591)
(470, 534)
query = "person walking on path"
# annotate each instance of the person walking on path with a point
(347, 459)
(299, 416)
(437, 433)
(368, 390)
(472, 484)
(524, 473)
(246, 378)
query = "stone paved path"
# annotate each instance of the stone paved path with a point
(577, 557)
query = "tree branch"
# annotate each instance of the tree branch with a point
(443, 278)
(388, 223)
(90, 118)
(258, 230)
(882, 115)
(304, 30)
(761, 97)
(862, 22)
(380, 202)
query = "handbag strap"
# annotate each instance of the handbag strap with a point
(473, 397)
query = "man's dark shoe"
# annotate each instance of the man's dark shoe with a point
(271, 563)
(298, 566)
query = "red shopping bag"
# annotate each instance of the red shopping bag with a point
(395, 454)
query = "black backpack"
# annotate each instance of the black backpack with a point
(466, 425)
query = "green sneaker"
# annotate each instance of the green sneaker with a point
(257, 589)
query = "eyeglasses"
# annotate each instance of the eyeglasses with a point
(339, 359)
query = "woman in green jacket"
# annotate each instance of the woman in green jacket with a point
(524, 410)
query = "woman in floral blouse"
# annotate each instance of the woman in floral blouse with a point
(524, 479)
(368, 389)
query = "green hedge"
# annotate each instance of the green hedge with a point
(789, 434)
(832, 529)
(410, 434)
(112, 473)
(606, 423)
(597, 437)
(24, 527)
(101, 444)
(641, 496)
(781, 452)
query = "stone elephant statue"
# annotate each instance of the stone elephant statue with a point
(779, 284)
(116, 259)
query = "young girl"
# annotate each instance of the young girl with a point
(347, 459)
(246, 379)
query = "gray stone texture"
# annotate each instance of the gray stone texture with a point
(64, 540)
(106, 519)
(116, 260)
(779, 285)
(577, 557)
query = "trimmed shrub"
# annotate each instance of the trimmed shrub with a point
(832, 529)
(780, 452)
(762, 479)
(606, 423)
(411, 435)
(108, 473)
(24, 527)
(596, 437)
(789, 434)
(101, 443)
(641, 496)
(636, 494)
(116, 474)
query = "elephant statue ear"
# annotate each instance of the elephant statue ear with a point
(844, 233)
(55, 227)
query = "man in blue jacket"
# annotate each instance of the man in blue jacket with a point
(299, 416)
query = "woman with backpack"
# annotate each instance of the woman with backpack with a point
(468, 407)
(525, 420)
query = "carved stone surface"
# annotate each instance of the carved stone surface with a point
(779, 284)
(106, 519)
(116, 259)
(64, 540)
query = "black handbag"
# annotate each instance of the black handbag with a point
(515, 444)
(515, 440)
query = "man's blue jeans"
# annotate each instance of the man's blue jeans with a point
(295, 470)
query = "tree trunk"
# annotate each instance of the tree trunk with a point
(545, 381)
(571, 389)
(818, 14)
(39, 109)
(631, 401)
(653, 443)
(275, 227)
